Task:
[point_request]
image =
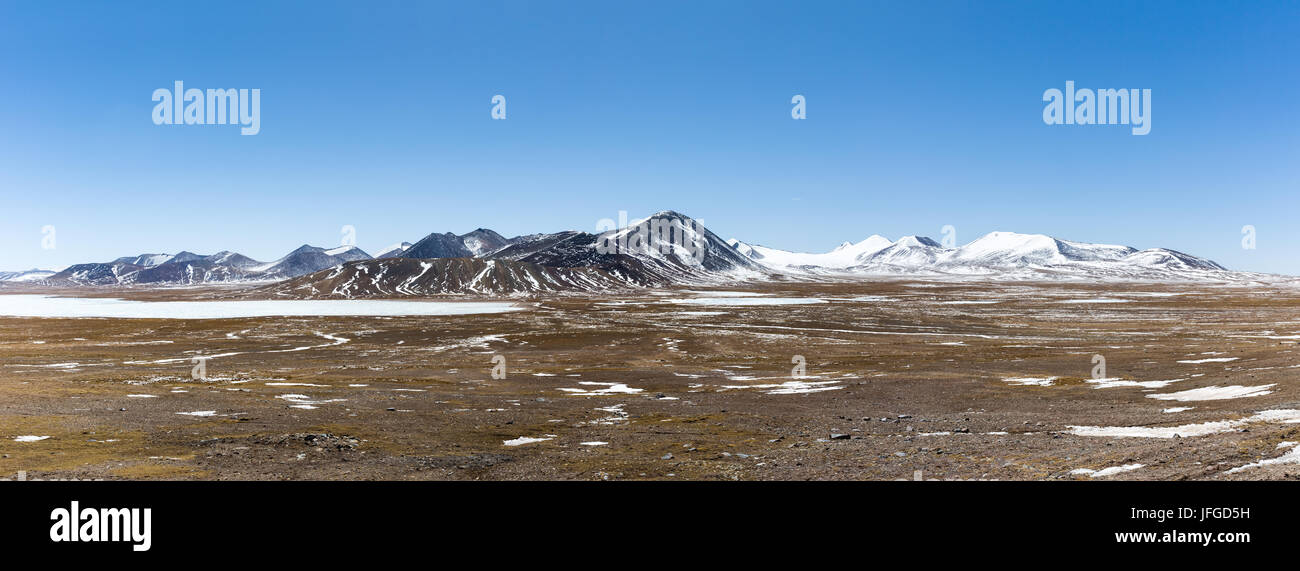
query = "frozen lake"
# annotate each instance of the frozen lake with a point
(47, 306)
(747, 300)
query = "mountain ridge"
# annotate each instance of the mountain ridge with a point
(664, 248)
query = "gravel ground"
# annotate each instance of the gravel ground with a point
(899, 380)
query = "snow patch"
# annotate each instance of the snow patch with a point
(610, 389)
(524, 440)
(1111, 471)
(1291, 457)
(1031, 381)
(1216, 393)
(1279, 416)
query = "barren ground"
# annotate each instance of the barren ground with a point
(909, 379)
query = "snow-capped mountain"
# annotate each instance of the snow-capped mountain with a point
(999, 255)
(1003, 249)
(31, 275)
(187, 268)
(906, 252)
(483, 241)
(845, 255)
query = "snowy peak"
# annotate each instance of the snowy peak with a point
(306, 259)
(675, 244)
(916, 242)
(845, 255)
(1011, 255)
(482, 241)
(394, 251)
(1013, 249)
(907, 252)
(873, 243)
(1010, 249)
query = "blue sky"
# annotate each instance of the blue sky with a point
(377, 115)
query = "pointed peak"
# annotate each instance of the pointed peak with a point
(662, 214)
(305, 248)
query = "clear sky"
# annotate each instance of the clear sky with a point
(378, 115)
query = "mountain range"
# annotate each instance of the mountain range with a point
(191, 268)
(666, 248)
(996, 254)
